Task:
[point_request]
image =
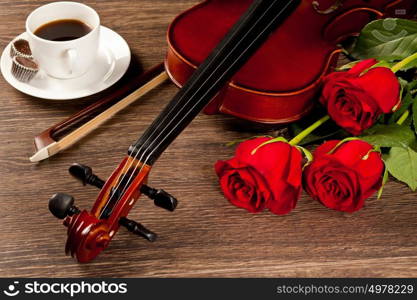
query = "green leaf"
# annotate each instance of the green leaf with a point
(415, 115)
(388, 39)
(381, 64)
(384, 181)
(348, 66)
(402, 164)
(409, 123)
(307, 153)
(392, 135)
(412, 88)
(404, 86)
(407, 100)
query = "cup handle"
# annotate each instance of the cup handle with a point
(71, 55)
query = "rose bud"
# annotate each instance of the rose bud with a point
(268, 177)
(356, 98)
(342, 177)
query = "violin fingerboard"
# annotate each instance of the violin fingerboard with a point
(245, 37)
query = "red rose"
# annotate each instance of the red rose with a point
(271, 177)
(355, 100)
(343, 179)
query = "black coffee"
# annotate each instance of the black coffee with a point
(62, 30)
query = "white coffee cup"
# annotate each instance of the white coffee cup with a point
(64, 59)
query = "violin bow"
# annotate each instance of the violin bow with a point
(47, 144)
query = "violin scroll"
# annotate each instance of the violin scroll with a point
(89, 233)
(84, 230)
(87, 236)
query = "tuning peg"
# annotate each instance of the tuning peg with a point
(160, 197)
(85, 175)
(62, 205)
(138, 229)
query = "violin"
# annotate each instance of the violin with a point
(279, 83)
(259, 60)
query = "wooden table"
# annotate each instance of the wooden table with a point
(206, 236)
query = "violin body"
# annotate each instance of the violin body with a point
(280, 81)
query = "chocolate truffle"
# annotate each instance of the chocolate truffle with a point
(24, 69)
(20, 47)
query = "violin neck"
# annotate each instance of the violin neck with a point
(245, 37)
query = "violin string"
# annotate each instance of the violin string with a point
(120, 179)
(191, 98)
(187, 113)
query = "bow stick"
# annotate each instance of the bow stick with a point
(47, 145)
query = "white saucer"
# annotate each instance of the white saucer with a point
(112, 62)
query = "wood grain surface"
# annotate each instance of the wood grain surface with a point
(206, 236)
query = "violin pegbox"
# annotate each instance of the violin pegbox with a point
(82, 228)
(89, 233)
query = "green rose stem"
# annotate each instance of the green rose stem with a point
(404, 63)
(302, 135)
(306, 132)
(404, 117)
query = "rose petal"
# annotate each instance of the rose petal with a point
(362, 66)
(352, 152)
(382, 85)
